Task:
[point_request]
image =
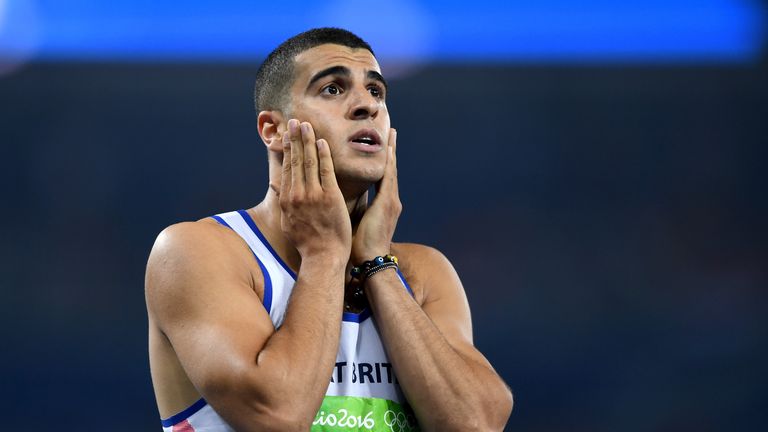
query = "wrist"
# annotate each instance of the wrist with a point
(329, 260)
(382, 280)
(371, 275)
(366, 273)
(368, 254)
(366, 269)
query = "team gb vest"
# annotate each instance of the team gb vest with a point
(363, 393)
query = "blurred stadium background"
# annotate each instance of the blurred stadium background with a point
(595, 170)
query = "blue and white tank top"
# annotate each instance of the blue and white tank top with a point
(363, 393)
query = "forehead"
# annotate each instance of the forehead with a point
(324, 56)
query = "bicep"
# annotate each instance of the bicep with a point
(203, 301)
(446, 304)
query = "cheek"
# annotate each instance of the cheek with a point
(384, 115)
(322, 131)
(319, 119)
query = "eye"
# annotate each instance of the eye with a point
(331, 89)
(376, 92)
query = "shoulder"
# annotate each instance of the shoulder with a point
(437, 288)
(194, 243)
(426, 269)
(189, 257)
(421, 254)
(201, 234)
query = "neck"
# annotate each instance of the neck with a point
(355, 197)
(268, 213)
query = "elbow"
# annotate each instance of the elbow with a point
(499, 410)
(270, 417)
(491, 414)
(506, 404)
(284, 411)
(281, 414)
(482, 414)
(248, 404)
(279, 421)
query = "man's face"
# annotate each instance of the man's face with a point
(340, 91)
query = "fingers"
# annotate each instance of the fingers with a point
(310, 157)
(393, 152)
(285, 181)
(388, 183)
(297, 157)
(325, 165)
(307, 162)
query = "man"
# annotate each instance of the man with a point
(251, 312)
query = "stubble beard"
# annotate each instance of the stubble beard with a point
(355, 181)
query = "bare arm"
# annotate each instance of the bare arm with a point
(200, 294)
(448, 383)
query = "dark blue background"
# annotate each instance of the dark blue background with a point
(608, 224)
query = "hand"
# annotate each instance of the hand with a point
(314, 214)
(377, 226)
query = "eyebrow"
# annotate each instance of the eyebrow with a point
(373, 75)
(345, 72)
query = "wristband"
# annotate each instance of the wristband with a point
(379, 268)
(369, 268)
(354, 298)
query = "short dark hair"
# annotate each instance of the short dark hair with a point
(275, 75)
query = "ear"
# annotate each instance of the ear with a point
(272, 125)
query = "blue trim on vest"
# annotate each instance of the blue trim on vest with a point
(267, 300)
(365, 313)
(267, 285)
(405, 282)
(356, 318)
(248, 220)
(346, 316)
(221, 221)
(187, 413)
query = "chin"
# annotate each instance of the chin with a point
(369, 175)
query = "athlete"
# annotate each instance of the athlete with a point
(301, 313)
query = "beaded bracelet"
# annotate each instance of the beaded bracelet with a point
(379, 268)
(369, 268)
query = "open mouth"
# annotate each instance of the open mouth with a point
(367, 137)
(365, 140)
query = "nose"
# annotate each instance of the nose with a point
(363, 106)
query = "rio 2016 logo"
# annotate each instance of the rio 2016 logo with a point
(395, 421)
(344, 420)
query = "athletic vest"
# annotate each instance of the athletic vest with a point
(363, 393)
